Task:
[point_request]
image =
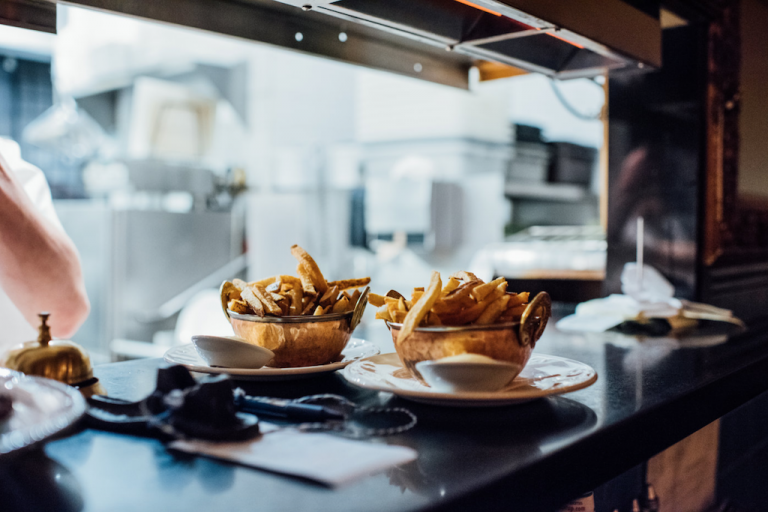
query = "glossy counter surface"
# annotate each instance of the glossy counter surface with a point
(528, 457)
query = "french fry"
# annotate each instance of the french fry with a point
(296, 307)
(287, 295)
(518, 310)
(419, 310)
(252, 300)
(400, 316)
(376, 300)
(355, 297)
(465, 276)
(451, 285)
(481, 291)
(416, 296)
(347, 284)
(284, 307)
(275, 285)
(308, 307)
(517, 299)
(238, 306)
(470, 314)
(383, 314)
(392, 306)
(341, 305)
(458, 299)
(493, 311)
(306, 281)
(329, 298)
(266, 299)
(401, 305)
(308, 265)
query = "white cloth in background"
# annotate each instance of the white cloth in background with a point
(14, 328)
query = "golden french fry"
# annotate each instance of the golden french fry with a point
(329, 298)
(275, 285)
(296, 307)
(308, 307)
(238, 306)
(401, 305)
(239, 284)
(306, 281)
(419, 310)
(481, 291)
(493, 311)
(383, 314)
(266, 299)
(376, 300)
(433, 320)
(465, 276)
(341, 305)
(470, 314)
(418, 289)
(354, 298)
(310, 267)
(319, 311)
(517, 299)
(276, 296)
(346, 284)
(518, 310)
(284, 307)
(451, 285)
(457, 300)
(253, 301)
(264, 282)
(392, 306)
(400, 316)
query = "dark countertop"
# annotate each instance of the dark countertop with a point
(535, 456)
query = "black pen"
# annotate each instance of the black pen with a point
(281, 408)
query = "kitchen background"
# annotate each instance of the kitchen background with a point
(178, 159)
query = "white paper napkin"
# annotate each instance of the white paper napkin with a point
(325, 458)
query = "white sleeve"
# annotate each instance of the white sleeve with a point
(32, 179)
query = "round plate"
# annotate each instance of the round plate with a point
(187, 356)
(41, 409)
(543, 376)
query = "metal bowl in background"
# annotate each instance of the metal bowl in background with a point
(297, 341)
(511, 342)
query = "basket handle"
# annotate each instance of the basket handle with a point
(534, 319)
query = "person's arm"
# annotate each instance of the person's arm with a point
(39, 265)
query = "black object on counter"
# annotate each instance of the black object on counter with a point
(286, 409)
(178, 407)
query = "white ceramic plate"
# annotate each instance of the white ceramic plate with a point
(543, 376)
(41, 409)
(186, 355)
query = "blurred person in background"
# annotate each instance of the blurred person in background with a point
(39, 265)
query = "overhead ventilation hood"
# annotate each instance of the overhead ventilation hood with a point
(436, 40)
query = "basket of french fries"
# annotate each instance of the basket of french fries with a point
(464, 316)
(305, 320)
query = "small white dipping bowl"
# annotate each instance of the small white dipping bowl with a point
(231, 352)
(467, 373)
